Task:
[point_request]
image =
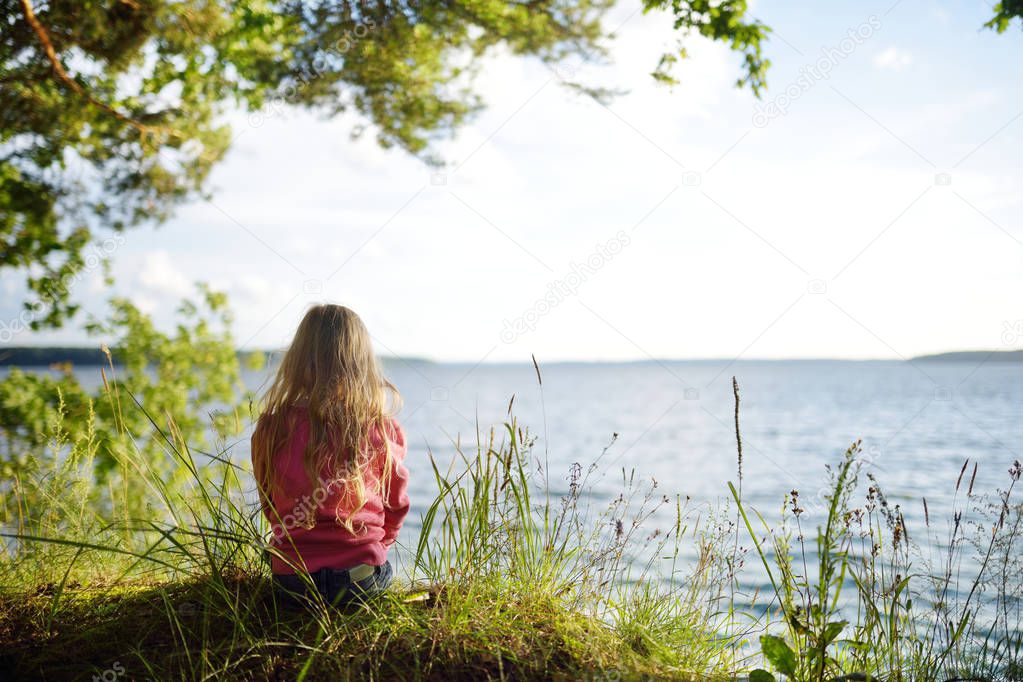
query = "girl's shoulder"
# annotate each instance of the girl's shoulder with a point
(390, 432)
(397, 434)
(291, 421)
(291, 413)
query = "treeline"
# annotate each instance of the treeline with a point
(28, 356)
(45, 356)
(975, 356)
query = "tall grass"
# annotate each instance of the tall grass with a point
(865, 603)
(496, 526)
(519, 572)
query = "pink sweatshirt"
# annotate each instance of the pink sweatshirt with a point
(305, 527)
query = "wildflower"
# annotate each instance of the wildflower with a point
(872, 492)
(853, 516)
(796, 509)
(895, 583)
(961, 472)
(575, 473)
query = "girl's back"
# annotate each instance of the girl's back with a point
(328, 457)
(306, 516)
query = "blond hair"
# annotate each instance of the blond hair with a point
(330, 369)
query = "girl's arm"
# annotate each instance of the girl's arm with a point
(396, 505)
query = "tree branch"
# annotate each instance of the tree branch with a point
(65, 77)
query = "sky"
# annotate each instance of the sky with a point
(867, 206)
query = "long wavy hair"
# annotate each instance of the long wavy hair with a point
(330, 370)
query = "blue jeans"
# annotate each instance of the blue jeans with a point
(334, 585)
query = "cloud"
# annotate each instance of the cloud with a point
(158, 275)
(893, 59)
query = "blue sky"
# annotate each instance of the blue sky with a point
(878, 216)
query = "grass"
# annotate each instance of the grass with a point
(205, 629)
(142, 575)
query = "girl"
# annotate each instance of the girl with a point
(327, 456)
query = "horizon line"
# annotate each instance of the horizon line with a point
(942, 355)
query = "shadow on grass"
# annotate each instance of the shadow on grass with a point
(235, 629)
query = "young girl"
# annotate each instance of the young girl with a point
(327, 456)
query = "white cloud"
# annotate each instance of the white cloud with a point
(893, 59)
(159, 274)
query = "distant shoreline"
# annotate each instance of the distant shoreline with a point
(974, 356)
(82, 356)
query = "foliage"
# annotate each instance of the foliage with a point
(30, 403)
(1005, 12)
(949, 620)
(113, 111)
(177, 377)
(109, 118)
(725, 21)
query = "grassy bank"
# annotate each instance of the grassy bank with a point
(231, 629)
(156, 569)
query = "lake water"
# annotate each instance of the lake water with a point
(918, 421)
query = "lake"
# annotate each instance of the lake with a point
(919, 421)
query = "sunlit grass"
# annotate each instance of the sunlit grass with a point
(154, 576)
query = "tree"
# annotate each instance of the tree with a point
(110, 110)
(1005, 12)
(187, 385)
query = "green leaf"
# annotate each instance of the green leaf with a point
(760, 675)
(832, 630)
(797, 624)
(778, 653)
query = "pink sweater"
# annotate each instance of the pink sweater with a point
(305, 527)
